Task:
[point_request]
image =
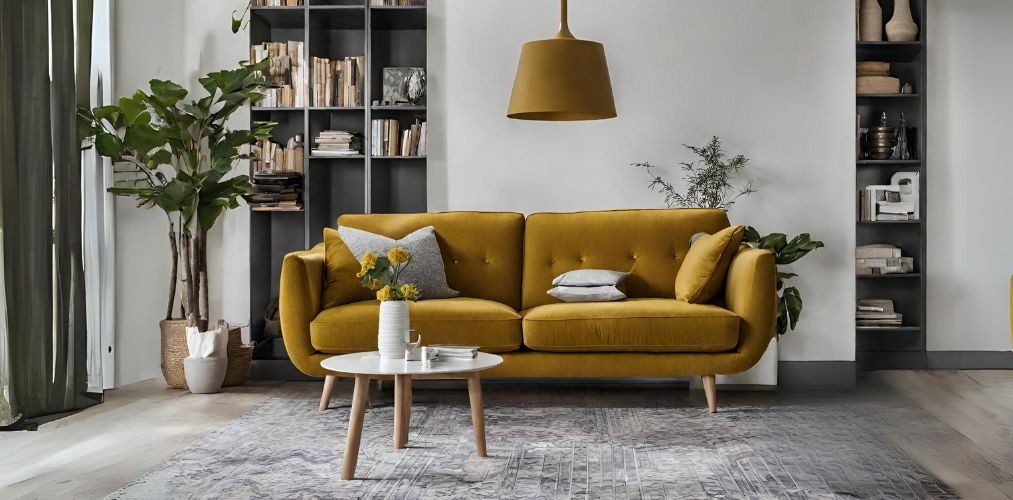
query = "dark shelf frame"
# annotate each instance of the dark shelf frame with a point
(386, 36)
(903, 347)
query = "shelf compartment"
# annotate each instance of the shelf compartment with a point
(888, 51)
(398, 186)
(398, 17)
(338, 17)
(903, 163)
(285, 18)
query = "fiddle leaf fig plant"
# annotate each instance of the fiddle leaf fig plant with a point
(182, 153)
(789, 299)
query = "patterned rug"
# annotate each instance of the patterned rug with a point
(285, 448)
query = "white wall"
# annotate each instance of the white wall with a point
(970, 174)
(179, 41)
(774, 79)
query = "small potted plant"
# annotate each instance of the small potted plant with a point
(382, 274)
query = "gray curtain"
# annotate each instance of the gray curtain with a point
(40, 172)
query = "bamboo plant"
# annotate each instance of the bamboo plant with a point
(183, 153)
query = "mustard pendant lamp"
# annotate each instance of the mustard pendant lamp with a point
(562, 79)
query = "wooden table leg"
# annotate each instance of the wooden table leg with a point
(477, 414)
(400, 392)
(355, 427)
(325, 397)
(407, 414)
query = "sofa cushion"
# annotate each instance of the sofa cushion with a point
(481, 252)
(644, 325)
(352, 327)
(706, 264)
(649, 244)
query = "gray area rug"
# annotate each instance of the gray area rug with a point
(285, 448)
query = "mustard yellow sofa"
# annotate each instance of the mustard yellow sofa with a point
(503, 264)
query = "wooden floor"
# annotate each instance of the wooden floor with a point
(94, 452)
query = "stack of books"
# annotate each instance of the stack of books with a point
(285, 75)
(451, 352)
(877, 312)
(338, 82)
(271, 157)
(881, 259)
(277, 191)
(277, 3)
(336, 143)
(883, 203)
(389, 140)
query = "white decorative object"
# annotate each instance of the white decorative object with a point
(393, 332)
(871, 21)
(908, 187)
(902, 27)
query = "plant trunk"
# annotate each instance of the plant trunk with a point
(189, 280)
(174, 276)
(202, 268)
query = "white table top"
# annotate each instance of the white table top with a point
(369, 363)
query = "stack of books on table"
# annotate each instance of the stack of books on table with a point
(336, 143)
(452, 352)
(881, 259)
(877, 312)
(277, 191)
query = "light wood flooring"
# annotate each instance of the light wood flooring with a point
(969, 415)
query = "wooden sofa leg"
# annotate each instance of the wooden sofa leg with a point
(710, 388)
(325, 397)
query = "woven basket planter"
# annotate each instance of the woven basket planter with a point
(174, 351)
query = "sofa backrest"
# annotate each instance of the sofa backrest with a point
(651, 244)
(481, 250)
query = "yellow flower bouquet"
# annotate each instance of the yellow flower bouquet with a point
(382, 274)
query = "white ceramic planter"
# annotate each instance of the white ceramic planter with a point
(393, 332)
(762, 375)
(205, 375)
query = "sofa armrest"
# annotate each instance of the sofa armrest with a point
(299, 302)
(750, 293)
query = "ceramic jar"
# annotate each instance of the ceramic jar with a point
(870, 24)
(902, 27)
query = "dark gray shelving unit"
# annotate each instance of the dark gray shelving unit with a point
(903, 347)
(386, 36)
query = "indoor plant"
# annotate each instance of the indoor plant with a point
(711, 183)
(382, 274)
(182, 152)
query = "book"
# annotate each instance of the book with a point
(877, 251)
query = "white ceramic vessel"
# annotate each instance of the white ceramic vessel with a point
(870, 25)
(902, 27)
(393, 332)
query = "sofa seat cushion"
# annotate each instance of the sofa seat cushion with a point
(643, 325)
(493, 326)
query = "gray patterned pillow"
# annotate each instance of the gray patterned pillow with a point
(426, 270)
(590, 277)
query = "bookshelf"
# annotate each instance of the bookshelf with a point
(896, 347)
(388, 36)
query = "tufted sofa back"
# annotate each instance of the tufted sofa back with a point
(651, 244)
(481, 250)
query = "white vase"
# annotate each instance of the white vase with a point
(902, 27)
(393, 332)
(870, 21)
(763, 375)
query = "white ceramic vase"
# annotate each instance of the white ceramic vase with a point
(902, 27)
(393, 332)
(870, 25)
(205, 375)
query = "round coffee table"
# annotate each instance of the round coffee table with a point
(367, 366)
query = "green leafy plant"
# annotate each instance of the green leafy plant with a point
(709, 180)
(182, 152)
(789, 299)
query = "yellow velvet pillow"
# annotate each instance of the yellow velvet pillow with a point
(341, 285)
(704, 268)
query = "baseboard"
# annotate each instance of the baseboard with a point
(970, 360)
(816, 374)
